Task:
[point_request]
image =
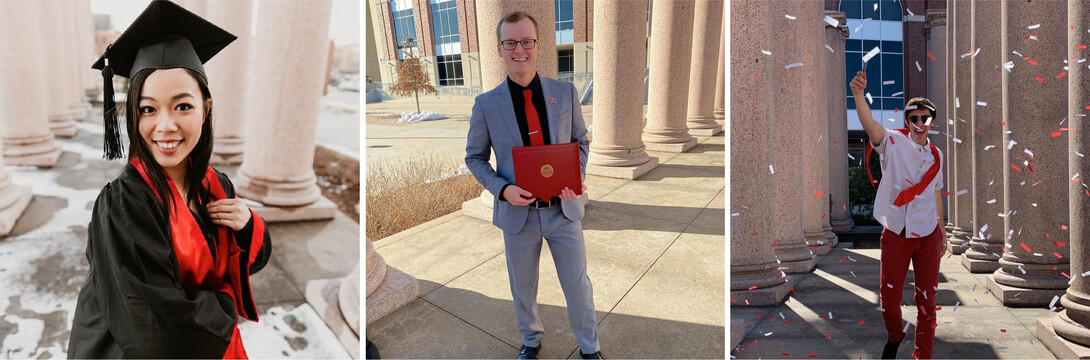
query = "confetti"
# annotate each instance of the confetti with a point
(918, 68)
(1024, 247)
(810, 354)
(771, 170)
(988, 147)
(832, 22)
(851, 157)
(1085, 274)
(962, 192)
(906, 327)
(1055, 134)
(1016, 53)
(1058, 256)
(976, 52)
(752, 287)
(768, 334)
(956, 306)
(830, 315)
(981, 103)
(1030, 37)
(829, 47)
(1054, 299)
(910, 12)
(1031, 61)
(1011, 144)
(734, 214)
(1039, 79)
(766, 52)
(853, 273)
(817, 193)
(869, 99)
(899, 93)
(889, 286)
(1008, 65)
(957, 102)
(860, 323)
(1031, 27)
(789, 17)
(1063, 227)
(871, 54)
(875, 6)
(1081, 47)
(1061, 75)
(793, 65)
(888, 82)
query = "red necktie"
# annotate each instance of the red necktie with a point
(532, 122)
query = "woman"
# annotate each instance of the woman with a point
(909, 207)
(170, 248)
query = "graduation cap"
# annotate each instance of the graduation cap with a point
(164, 36)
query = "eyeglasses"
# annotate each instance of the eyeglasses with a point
(926, 119)
(526, 44)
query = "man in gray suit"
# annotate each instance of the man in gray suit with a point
(529, 110)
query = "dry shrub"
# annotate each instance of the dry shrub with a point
(406, 193)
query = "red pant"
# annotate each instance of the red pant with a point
(925, 254)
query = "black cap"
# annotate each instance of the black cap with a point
(164, 36)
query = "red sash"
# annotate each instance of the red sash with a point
(198, 270)
(913, 191)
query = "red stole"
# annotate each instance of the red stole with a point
(911, 192)
(198, 270)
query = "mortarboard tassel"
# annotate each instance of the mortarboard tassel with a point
(112, 145)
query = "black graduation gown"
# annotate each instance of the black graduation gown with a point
(132, 304)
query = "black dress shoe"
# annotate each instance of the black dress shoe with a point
(595, 355)
(890, 352)
(529, 352)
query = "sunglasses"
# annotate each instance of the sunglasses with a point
(926, 119)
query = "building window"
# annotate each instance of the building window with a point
(873, 23)
(565, 22)
(566, 63)
(444, 23)
(450, 70)
(404, 28)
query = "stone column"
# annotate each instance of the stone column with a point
(1030, 268)
(754, 275)
(792, 248)
(387, 288)
(841, 219)
(669, 70)
(61, 122)
(1073, 323)
(617, 150)
(986, 241)
(950, 156)
(963, 131)
(85, 28)
(489, 13)
(278, 162)
(815, 127)
(935, 32)
(830, 66)
(24, 124)
(13, 200)
(493, 73)
(707, 18)
(721, 78)
(71, 64)
(229, 80)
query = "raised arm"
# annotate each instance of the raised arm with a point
(874, 130)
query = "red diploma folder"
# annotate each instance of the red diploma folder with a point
(545, 170)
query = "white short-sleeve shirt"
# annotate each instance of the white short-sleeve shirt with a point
(904, 163)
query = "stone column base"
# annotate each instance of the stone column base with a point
(228, 151)
(706, 132)
(1061, 348)
(737, 328)
(818, 243)
(40, 151)
(623, 172)
(480, 207)
(64, 128)
(671, 147)
(830, 236)
(397, 289)
(798, 267)
(79, 113)
(225, 159)
(10, 214)
(322, 296)
(768, 296)
(977, 266)
(323, 209)
(841, 224)
(1014, 296)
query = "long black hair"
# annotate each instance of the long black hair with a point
(196, 163)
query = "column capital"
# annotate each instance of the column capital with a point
(841, 18)
(936, 17)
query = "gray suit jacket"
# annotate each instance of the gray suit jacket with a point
(493, 126)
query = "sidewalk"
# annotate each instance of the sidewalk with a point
(972, 323)
(654, 254)
(43, 263)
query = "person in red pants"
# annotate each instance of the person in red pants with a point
(909, 207)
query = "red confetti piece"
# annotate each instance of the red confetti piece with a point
(1055, 268)
(1065, 275)
(811, 354)
(1087, 192)
(860, 322)
(733, 300)
(1026, 248)
(758, 316)
(1063, 227)
(755, 76)
(845, 207)
(1016, 168)
(891, 141)
(1061, 75)
(915, 234)
(1002, 330)
(754, 234)
(1058, 256)
(785, 354)
(1055, 134)
(894, 110)
(1088, 108)
(817, 193)
(1030, 167)
(1039, 79)
(1080, 47)
(773, 243)
(753, 287)
(937, 308)
(788, 320)
(823, 316)
(947, 193)
(834, 141)
(1003, 122)
(1031, 61)
(978, 131)
(830, 336)
(931, 56)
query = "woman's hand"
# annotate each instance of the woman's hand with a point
(567, 194)
(231, 213)
(858, 83)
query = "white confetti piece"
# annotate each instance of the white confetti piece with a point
(768, 334)
(881, 309)
(1031, 27)
(962, 192)
(858, 27)
(983, 228)
(977, 52)
(957, 140)
(1011, 144)
(781, 317)
(771, 170)
(918, 68)
(986, 149)
(1033, 37)
(1082, 61)
(899, 93)
(766, 52)
(906, 327)
(870, 100)
(957, 102)
(910, 12)
(875, 6)
(734, 214)
(888, 82)
(1085, 274)
(1054, 299)
(793, 65)
(1077, 153)
(974, 287)
(851, 157)
(790, 17)
(819, 137)
(871, 54)
(981, 103)
(1017, 53)
(1023, 270)
(1008, 65)
(830, 315)
(956, 306)
(924, 294)
(1029, 152)
(889, 285)
(832, 22)
(853, 273)
(829, 47)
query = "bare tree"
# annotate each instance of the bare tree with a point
(412, 77)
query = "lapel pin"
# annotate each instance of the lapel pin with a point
(552, 100)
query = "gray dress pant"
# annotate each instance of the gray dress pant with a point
(523, 250)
